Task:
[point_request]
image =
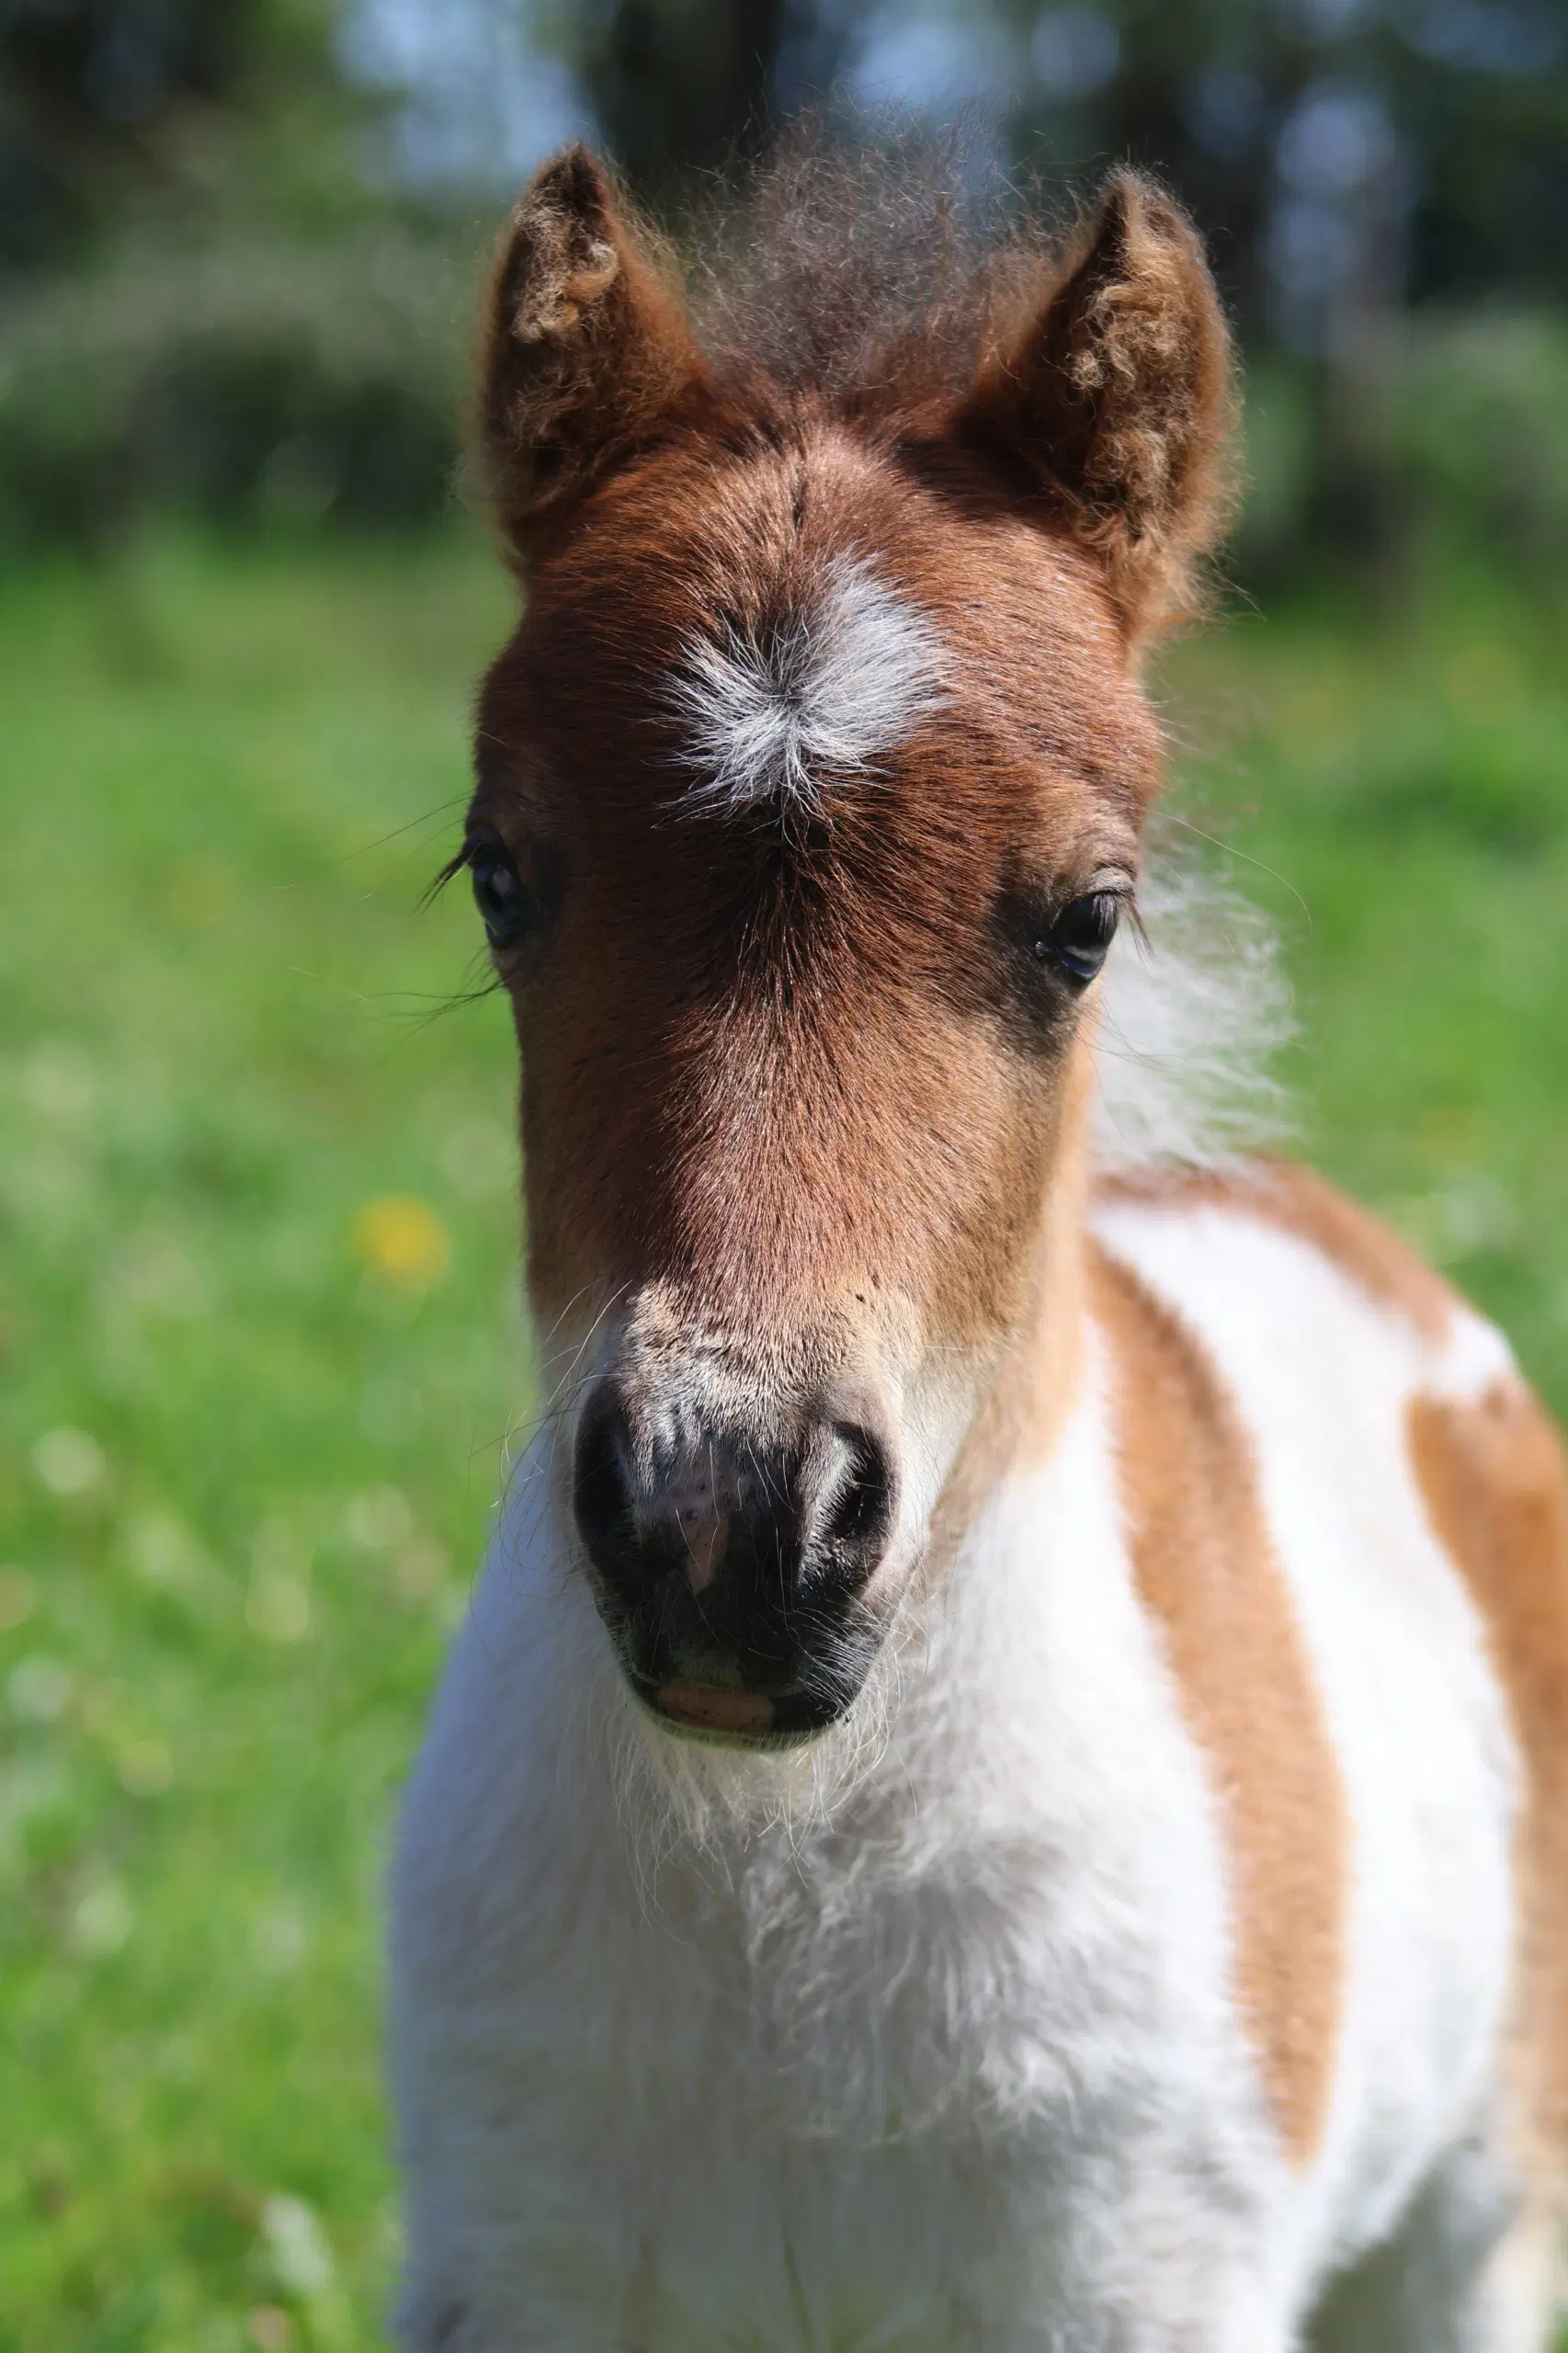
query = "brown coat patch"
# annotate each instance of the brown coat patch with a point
(1496, 1485)
(1206, 1569)
(1296, 1201)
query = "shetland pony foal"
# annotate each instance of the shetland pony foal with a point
(1007, 1783)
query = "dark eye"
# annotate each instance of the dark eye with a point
(504, 907)
(1077, 942)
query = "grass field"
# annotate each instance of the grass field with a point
(259, 1341)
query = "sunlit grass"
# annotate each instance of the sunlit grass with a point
(258, 1333)
(260, 1350)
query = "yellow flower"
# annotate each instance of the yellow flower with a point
(403, 1242)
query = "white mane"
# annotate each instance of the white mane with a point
(1191, 1017)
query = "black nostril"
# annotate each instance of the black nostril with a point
(770, 1602)
(601, 1485)
(858, 1519)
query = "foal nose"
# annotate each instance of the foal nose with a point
(725, 1557)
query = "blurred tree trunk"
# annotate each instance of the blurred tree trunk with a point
(1359, 505)
(680, 87)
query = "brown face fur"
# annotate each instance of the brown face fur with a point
(798, 1072)
(780, 1064)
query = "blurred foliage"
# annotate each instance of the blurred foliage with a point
(1300, 130)
(1472, 455)
(289, 385)
(252, 381)
(1482, 436)
(172, 112)
(227, 281)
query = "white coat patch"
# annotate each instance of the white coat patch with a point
(830, 689)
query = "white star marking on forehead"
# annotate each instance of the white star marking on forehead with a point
(834, 687)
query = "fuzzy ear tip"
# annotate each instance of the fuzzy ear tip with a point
(573, 180)
(1124, 185)
(1130, 196)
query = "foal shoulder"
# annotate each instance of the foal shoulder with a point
(1300, 1208)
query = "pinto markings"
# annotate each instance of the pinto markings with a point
(1206, 1567)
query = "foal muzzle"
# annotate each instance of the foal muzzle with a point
(730, 1567)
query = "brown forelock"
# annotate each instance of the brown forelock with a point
(1207, 1573)
(761, 1054)
(1496, 1490)
(1296, 1201)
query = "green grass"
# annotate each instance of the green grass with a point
(1396, 792)
(251, 1423)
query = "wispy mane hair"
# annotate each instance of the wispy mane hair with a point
(874, 272)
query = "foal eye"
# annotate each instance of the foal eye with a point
(504, 904)
(1079, 940)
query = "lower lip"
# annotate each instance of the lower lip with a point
(710, 1707)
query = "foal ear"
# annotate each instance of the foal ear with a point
(586, 346)
(1116, 395)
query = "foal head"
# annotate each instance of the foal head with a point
(810, 789)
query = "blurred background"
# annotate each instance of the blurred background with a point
(261, 1356)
